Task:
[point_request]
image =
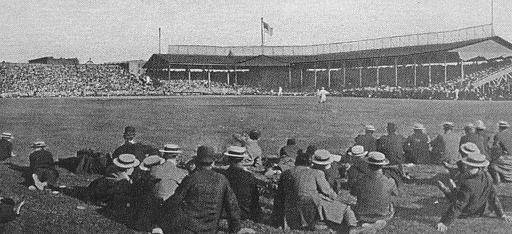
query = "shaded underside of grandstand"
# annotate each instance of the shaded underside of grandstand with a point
(411, 65)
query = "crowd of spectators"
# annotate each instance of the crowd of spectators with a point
(39, 80)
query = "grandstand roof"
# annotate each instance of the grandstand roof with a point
(432, 51)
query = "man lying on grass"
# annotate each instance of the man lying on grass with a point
(473, 195)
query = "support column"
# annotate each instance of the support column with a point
(236, 76)
(289, 76)
(396, 72)
(169, 73)
(462, 69)
(415, 73)
(227, 75)
(429, 74)
(301, 78)
(209, 78)
(445, 70)
(315, 75)
(377, 67)
(360, 75)
(189, 76)
(344, 75)
(329, 75)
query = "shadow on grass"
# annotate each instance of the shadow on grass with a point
(423, 210)
(25, 173)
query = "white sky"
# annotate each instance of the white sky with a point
(107, 30)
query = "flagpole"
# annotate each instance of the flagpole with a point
(492, 17)
(262, 36)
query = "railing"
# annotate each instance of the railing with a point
(464, 34)
(491, 77)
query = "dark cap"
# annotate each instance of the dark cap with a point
(391, 126)
(205, 154)
(129, 131)
(254, 134)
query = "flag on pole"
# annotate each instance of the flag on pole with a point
(268, 29)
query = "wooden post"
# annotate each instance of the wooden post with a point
(301, 79)
(329, 75)
(462, 69)
(377, 66)
(344, 75)
(315, 74)
(429, 74)
(360, 75)
(236, 76)
(396, 72)
(415, 73)
(189, 76)
(169, 73)
(290, 76)
(445, 69)
(228, 75)
(209, 78)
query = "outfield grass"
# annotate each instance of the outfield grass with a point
(70, 124)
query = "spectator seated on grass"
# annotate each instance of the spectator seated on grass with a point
(42, 167)
(115, 190)
(473, 195)
(250, 141)
(373, 191)
(501, 166)
(6, 146)
(9, 211)
(290, 149)
(243, 184)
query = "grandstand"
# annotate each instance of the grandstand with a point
(419, 60)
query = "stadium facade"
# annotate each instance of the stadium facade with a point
(406, 61)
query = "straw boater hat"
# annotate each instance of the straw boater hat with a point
(151, 161)
(376, 158)
(503, 124)
(38, 144)
(126, 161)
(323, 157)
(357, 151)
(469, 148)
(171, 149)
(476, 160)
(418, 126)
(236, 152)
(448, 124)
(480, 125)
(6, 135)
(369, 127)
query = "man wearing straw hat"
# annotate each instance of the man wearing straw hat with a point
(483, 138)
(149, 206)
(243, 183)
(374, 191)
(501, 165)
(115, 189)
(469, 135)
(357, 166)
(42, 166)
(197, 205)
(169, 174)
(417, 146)
(367, 140)
(445, 147)
(473, 195)
(6, 146)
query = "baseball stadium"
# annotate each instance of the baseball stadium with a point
(397, 134)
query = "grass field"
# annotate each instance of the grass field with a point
(69, 124)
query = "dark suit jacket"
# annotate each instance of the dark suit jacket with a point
(392, 146)
(475, 195)
(5, 149)
(138, 149)
(417, 148)
(244, 186)
(41, 159)
(473, 138)
(198, 202)
(369, 142)
(503, 142)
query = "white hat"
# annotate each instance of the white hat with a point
(475, 160)
(358, 151)
(418, 126)
(448, 123)
(6, 135)
(151, 161)
(376, 158)
(503, 124)
(236, 152)
(480, 124)
(469, 148)
(322, 157)
(171, 149)
(369, 127)
(126, 161)
(38, 144)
